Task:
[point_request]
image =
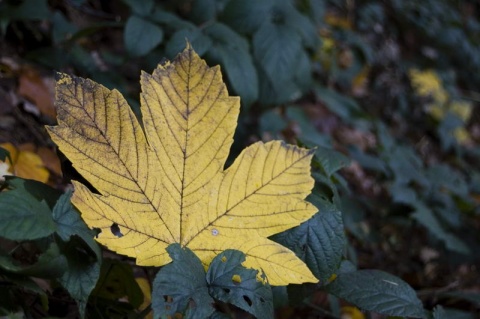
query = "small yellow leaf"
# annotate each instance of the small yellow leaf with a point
(167, 184)
(351, 313)
(237, 279)
(147, 294)
(25, 164)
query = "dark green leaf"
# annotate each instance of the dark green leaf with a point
(424, 215)
(24, 217)
(303, 73)
(403, 194)
(4, 154)
(308, 133)
(26, 10)
(232, 283)
(298, 293)
(319, 242)
(473, 297)
(377, 291)
(317, 10)
(178, 284)
(82, 274)
(368, 161)
(141, 8)
(275, 92)
(439, 313)
(406, 165)
(50, 264)
(170, 20)
(118, 282)
(199, 42)
(28, 284)
(231, 51)
(141, 36)
(219, 315)
(451, 313)
(330, 160)
(203, 11)
(38, 190)
(272, 121)
(302, 24)
(246, 16)
(442, 176)
(339, 104)
(280, 296)
(68, 223)
(62, 29)
(276, 48)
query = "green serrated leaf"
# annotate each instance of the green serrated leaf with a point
(232, 283)
(202, 11)
(302, 24)
(50, 264)
(377, 291)
(231, 51)
(31, 10)
(425, 216)
(308, 134)
(339, 104)
(22, 216)
(246, 16)
(368, 161)
(442, 176)
(181, 286)
(403, 194)
(141, 8)
(69, 223)
(141, 36)
(303, 74)
(199, 42)
(439, 313)
(319, 242)
(452, 313)
(272, 121)
(82, 274)
(118, 282)
(331, 160)
(62, 29)
(38, 190)
(276, 48)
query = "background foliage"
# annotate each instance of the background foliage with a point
(387, 91)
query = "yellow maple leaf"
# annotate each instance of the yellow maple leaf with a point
(168, 185)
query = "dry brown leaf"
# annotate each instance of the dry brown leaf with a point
(38, 90)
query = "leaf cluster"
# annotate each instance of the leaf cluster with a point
(37, 220)
(424, 179)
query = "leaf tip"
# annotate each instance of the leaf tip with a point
(62, 78)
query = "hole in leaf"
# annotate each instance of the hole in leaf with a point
(304, 247)
(247, 300)
(116, 230)
(226, 290)
(262, 300)
(97, 231)
(165, 298)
